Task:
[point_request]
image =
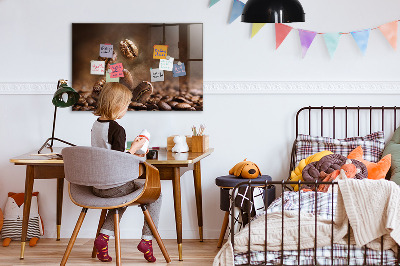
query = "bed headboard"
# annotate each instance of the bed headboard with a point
(344, 121)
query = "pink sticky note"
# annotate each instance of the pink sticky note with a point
(116, 67)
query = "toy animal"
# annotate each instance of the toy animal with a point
(180, 144)
(348, 170)
(13, 215)
(245, 169)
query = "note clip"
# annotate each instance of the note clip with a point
(179, 63)
(168, 57)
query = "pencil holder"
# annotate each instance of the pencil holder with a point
(200, 143)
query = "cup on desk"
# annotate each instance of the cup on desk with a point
(152, 155)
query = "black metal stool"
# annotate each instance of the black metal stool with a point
(226, 183)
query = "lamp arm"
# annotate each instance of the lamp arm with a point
(54, 126)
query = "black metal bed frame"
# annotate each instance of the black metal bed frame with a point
(283, 184)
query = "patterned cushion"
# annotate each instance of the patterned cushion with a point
(372, 144)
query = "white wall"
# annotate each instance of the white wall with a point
(35, 46)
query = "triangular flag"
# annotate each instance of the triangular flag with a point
(361, 37)
(306, 39)
(237, 9)
(256, 28)
(390, 32)
(213, 2)
(281, 31)
(332, 41)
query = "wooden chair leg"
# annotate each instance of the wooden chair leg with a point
(223, 229)
(154, 230)
(73, 237)
(117, 238)
(101, 222)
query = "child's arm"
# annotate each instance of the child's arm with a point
(136, 145)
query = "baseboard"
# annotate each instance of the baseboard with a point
(245, 87)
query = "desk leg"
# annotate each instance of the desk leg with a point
(60, 190)
(27, 206)
(199, 204)
(176, 182)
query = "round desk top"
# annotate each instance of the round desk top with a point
(230, 181)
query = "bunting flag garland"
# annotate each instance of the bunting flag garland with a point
(281, 31)
(389, 30)
(213, 2)
(332, 41)
(361, 38)
(256, 28)
(306, 39)
(237, 10)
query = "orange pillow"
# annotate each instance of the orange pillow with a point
(375, 170)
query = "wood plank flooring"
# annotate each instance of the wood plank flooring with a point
(50, 252)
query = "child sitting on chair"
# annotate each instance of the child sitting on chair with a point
(112, 104)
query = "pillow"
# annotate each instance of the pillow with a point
(372, 144)
(375, 170)
(393, 148)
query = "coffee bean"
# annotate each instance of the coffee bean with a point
(172, 103)
(109, 61)
(167, 98)
(164, 106)
(128, 49)
(97, 87)
(182, 106)
(142, 92)
(127, 79)
(137, 106)
(152, 107)
(181, 100)
(90, 100)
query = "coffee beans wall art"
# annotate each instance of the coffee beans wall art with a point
(133, 47)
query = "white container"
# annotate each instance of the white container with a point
(144, 134)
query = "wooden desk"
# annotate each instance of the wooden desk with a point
(171, 167)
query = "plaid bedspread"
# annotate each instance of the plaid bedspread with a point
(321, 205)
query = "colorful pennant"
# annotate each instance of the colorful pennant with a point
(281, 31)
(237, 10)
(213, 2)
(306, 39)
(256, 28)
(389, 30)
(332, 41)
(361, 37)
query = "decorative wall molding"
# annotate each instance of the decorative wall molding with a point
(247, 87)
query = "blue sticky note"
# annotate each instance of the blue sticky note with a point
(179, 70)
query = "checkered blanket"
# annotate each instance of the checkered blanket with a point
(324, 206)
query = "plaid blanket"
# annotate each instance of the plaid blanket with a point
(323, 205)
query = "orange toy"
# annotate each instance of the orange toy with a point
(375, 170)
(245, 169)
(348, 170)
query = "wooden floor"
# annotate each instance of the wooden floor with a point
(50, 252)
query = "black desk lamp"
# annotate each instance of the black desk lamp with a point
(64, 97)
(273, 11)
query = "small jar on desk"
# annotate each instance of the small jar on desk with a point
(226, 183)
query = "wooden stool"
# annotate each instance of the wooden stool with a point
(226, 183)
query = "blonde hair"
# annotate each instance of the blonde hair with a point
(113, 97)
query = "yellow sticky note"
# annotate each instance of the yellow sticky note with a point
(160, 51)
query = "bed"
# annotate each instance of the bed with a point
(298, 227)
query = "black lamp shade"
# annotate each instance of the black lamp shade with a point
(273, 11)
(72, 98)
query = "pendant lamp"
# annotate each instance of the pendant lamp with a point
(273, 11)
(63, 97)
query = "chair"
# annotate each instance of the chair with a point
(85, 167)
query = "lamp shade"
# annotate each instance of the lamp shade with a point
(65, 96)
(273, 11)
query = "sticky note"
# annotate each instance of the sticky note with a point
(116, 70)
(160, 51)
(106, 50)
(156, 75)
(166, 64)
(179, 70)
(110, 79)
(97, 67)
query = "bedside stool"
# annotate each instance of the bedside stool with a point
(228, 182)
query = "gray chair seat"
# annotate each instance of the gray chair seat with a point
(83, 196)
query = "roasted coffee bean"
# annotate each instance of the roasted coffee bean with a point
(128, 49)
(164, 106)
(172, 103)
(137, 106)
(81, 101)
(142, 92)
(198, 108)
(152, 107)
(109, 61)
(182, 106)
(181, 100)
(127, 79)
(90, 100)
(192, 109)
(167, 98)
(98, 86)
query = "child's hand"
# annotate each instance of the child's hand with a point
(137, 144)
(143, 155)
